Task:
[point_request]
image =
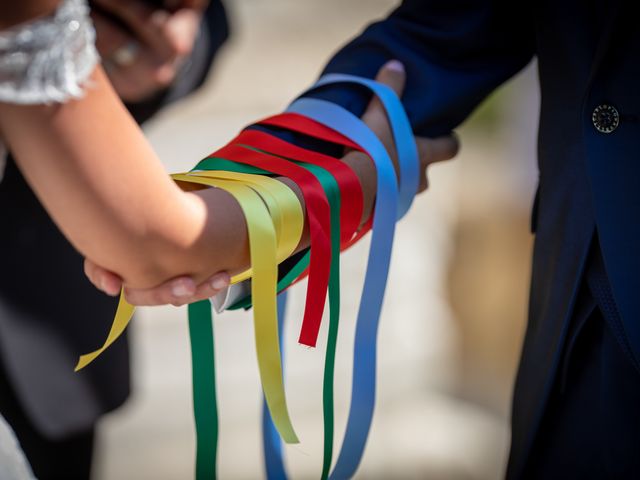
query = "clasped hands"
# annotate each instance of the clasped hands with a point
(143, 46)
(183, 289)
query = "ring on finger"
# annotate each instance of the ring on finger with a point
(126, 55)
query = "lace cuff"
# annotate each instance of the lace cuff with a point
(47, 60)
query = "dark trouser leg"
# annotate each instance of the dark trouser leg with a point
(591, 428)
(63, 459)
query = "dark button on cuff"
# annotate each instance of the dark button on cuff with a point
(605, 118)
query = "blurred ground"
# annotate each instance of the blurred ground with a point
(453, 315)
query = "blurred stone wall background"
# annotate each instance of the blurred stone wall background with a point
(455, 309)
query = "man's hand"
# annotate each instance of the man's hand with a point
(430, 150)
(182, 290)
(142, 46)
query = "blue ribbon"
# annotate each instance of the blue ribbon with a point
(271, 442)
(392, 203)
(364, 364)
(402, 134)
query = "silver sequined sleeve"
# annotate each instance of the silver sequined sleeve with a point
(48, 59)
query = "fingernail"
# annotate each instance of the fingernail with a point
(159, 18)
(104, 286)
(181, 289)
(219, 283)
(395, 66)
(107, 287)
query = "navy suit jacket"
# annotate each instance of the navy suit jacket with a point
(456, 52)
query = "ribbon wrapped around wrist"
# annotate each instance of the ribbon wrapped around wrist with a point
(319, 216)
(333, 206)
(365, 351)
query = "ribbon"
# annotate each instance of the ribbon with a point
(341, 181)
(406, 149)
(350, 217)
(262, 246)
(262, 238)
(219, 164)
(365, 351)
(318, 214)
(124, 312)
(283, 206)
(331, 186)
(348, 182)
(274, 227)
(205, 409)
(333, 192)
(302, 124)
(279, 199)
(307, 126)
(271, 443)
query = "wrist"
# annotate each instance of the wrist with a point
(365, 169)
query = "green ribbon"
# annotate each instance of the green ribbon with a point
(205, 409)
(330, 186)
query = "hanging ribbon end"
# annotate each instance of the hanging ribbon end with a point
(307, 340)
(85, 360)
(290, 438)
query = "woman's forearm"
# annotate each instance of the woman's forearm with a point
(103, 185)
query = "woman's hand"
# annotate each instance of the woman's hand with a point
(144, 46)
(183, 290)
(178, 291)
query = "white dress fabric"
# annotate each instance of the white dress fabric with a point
(47, 60)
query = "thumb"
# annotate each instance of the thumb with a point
(393, 75)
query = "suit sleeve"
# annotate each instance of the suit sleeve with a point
(455, 53)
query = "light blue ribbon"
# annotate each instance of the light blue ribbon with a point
(386, 210)
(392, 203)
(271, 442)
(402, 134)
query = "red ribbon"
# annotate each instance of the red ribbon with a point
(318, 214)
(348, 182)
(301, 124)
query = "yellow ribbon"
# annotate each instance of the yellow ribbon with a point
(274, 221)
(262, 246)
(283, 205)
(120, 322)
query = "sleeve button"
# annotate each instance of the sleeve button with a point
(605, 118)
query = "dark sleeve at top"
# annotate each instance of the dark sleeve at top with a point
(455, 53)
